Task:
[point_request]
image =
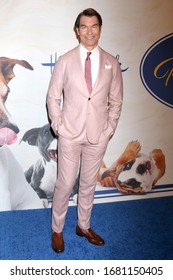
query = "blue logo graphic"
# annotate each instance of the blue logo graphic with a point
(51, 63)
(156, 70)
(118, 58)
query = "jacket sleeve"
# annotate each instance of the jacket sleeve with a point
(54, 96)
(115, 96)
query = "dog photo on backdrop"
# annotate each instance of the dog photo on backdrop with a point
(42, 174)
(134, 172)
(15, 192)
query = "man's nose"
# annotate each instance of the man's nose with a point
(89, 30)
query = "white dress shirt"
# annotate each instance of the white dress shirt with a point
(94, 61)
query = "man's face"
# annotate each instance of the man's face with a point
(89, 32)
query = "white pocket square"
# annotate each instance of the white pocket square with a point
(108, 66)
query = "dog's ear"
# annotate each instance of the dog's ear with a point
(7, 65)
(31, 136)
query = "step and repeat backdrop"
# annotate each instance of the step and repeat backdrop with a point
(33, 35)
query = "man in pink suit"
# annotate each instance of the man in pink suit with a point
(84, 121)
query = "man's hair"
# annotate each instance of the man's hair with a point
(88, 13)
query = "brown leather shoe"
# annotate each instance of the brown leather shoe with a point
(57, 242)
(92, 237)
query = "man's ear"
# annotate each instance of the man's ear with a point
(76, 30)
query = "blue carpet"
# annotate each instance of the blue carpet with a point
(133, 230)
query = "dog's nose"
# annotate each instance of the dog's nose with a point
(14, 128)
(11, 126)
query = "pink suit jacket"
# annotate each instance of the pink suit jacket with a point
(96, 113)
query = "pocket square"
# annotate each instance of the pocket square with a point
(108, 66)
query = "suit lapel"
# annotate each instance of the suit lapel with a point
(79, 71)
(100, 74)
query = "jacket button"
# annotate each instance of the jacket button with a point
(89, 98)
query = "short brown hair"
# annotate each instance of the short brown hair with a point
(88, 13)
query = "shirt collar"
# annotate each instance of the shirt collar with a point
(83, 50)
